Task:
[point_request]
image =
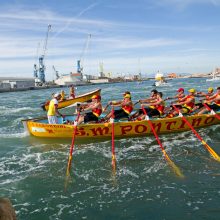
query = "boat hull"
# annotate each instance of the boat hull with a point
(68, 102)
(122, 129)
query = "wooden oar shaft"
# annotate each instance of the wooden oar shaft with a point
(113, 142)
(72, 146)
(211, 151)
(174, 167)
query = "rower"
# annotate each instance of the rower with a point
(216, 102)
(125, 110)
(152, 98)
(187, 104)
(206, 96)
(158, 104)
(53, 110)
(180, 94)
(96, 110)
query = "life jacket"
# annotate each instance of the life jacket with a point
(51, 108)
(161, 107)
(217, 102)
(97, 111)
(191, 104)
(127, 108)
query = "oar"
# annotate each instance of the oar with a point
(113, 142)
(72, 145)
(171, 163)
(211, 151)
(212, 111)
(104, 109)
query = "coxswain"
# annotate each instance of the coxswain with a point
(96, 110)
(187, 104)
(53, 110)
(126, 107)
(213, 102)
(72, 92)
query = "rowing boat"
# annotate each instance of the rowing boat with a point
(68, 102)
(39, 127)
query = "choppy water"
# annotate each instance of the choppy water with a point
(32, 170)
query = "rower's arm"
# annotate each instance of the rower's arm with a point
(56, 110)
(115, 103)
(186, 102)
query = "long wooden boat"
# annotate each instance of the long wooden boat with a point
(39, 127)
(68, 102)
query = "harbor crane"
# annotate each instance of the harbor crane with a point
(80, 62)
(39, 72)
(56, 73)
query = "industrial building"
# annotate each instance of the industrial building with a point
(16, 83)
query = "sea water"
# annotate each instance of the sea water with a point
(33, 170)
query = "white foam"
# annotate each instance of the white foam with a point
(16, 135)
(7, 111)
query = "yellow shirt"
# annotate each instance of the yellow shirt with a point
(52, 109)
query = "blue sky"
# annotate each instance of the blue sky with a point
(127, 36)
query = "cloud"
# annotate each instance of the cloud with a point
(119, 44)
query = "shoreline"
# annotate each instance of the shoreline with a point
(62, 86)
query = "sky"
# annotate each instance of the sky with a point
(127, 36)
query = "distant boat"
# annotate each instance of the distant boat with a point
(214, 77)
(159, 79)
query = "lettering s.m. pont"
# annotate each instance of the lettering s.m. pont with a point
(142, 127)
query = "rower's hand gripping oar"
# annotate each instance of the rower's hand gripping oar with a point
(72, 144)
(211, 151)
(171, 163)
(113, 141)
(211, 111)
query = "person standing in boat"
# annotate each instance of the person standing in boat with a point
(187, 104)
(126, 107)
(216, 102)
(62, 96)
(72, 92)
(96, 110)
(53, 110)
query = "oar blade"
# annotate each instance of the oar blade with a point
(211, 151)
(175, 169)
(68, 166)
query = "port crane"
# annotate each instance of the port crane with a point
(56, 73)
(80, 62)
(39, 72)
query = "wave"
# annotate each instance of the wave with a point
(7, 111)
(15, 135)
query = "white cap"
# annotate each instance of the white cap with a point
(56, 95)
